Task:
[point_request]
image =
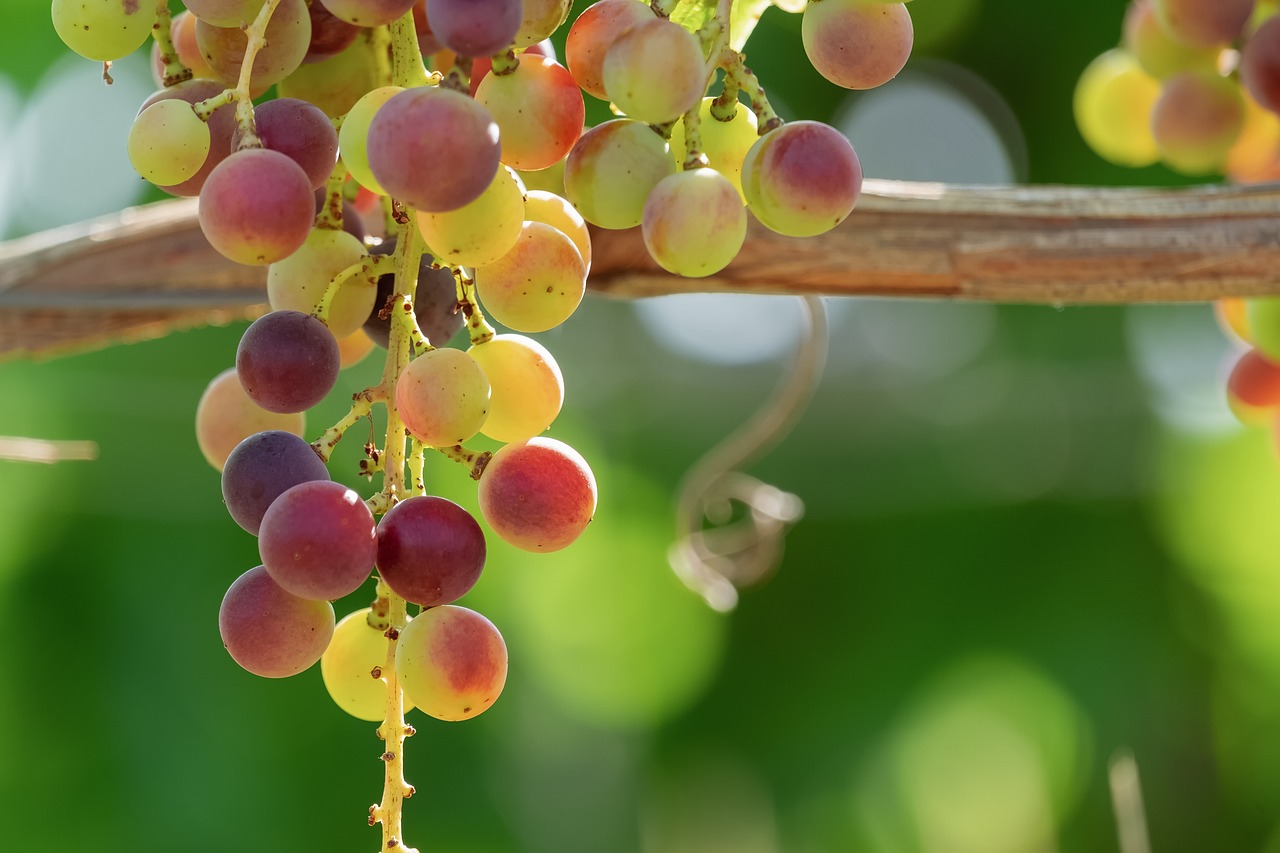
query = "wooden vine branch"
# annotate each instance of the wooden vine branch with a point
(148, 271)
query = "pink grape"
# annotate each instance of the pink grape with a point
(317, 540)
(330, 35)
(1158, 52)
(287, 39)
(1253, 388)
(628, 71)
(593, 34)
(433, 149)
(1204, 22)
(802, 179)
(856, 44)
(430, 550)
(452, 662)
(300, 131)
(263, 467)
(539, 111)
(1260, 65)
(694, 223)
(612, 169)
(538, 495)
(287, 361)
(482, 65)
(226, 415)
(1196, 120)
(257, 207)
(182, 30)
(538, 284)
(475, 27)
(269, 631)
(443, 397)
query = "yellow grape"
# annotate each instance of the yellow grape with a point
(168, 143)
(553, 210)
(725, 143)
(480, 231)
(452, 662)
(103, 30)
(299, 281)
(1113, 102)
(538, 284)
(348, 666)
(528, 388)
(353, 139)
(694, 223)
(443, 397)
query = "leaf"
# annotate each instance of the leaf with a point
(694, 14)
(743, 19)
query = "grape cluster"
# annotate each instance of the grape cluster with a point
(423, 166)
(1196, 84)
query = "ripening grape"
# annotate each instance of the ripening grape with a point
(1232, 314)
(1158, 52)
(539, 111)
(330, 35)
(1260, 65)
(1253, 388)
(482, 230)
(435, 303)
(538, 495)
(527, 386)
(257, 207)
(317, 540)
(538, 284)
(856, 44)
(592, 35)
(287, 37)
(1196, 120)
(482, 65)
(225, 13)
(335, 83)
(1113, 102)
(269, 631)
(168, 143)
(724, 143)
(354, 348)
(353, 668)
(1263, 319)
(628, 71)
(802, 179)
(103, 30)
(263, 467)
(1204, 22)
(430, 550)
(553, 210)
(287, 361)
(221, 127)
(367, 13)
(226, 416)
(434, 149)
(540, 19)
(611, 170)
(452, 662)
(475, 27)
(1255, 156)
(694, 223)
(299, 281)
(443, 397)
(300, 131)
(353, 139)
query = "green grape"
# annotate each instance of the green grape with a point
(335, 83)
(1113, 102)
(628, 71)
(612, 168)
(725, 143)
(352, 668)
(528, 388)
(452, 662)
(480, 231)
(1159, 53)
(1263, 317)
(103, 30)
(168, 143)
(694, 223)
(299, 281)
(353, 139)
(551, 209)
(443, 397)
(538, 284)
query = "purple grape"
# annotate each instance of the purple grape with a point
(475, 27)
(430, 550)
(318, 540)
(330, 35)
(300, 131)
(435, 303)
(269, 631)
(261, 468)
(287, 361)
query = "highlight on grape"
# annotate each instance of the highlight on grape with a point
(1195, 84)
(381, 180)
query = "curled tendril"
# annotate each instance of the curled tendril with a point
(729, 525)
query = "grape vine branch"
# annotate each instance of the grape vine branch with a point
(147, 271)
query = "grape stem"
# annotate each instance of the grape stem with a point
(256, 33)
(478, 327)
(504, 63)
(174, 71)
(330, 216)
(663, 8)
(393, 732)
(367, 268)
(736, 70)
(477, 460)
(361, 406)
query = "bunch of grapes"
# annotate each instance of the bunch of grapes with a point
(1196, 84)
(386, 189)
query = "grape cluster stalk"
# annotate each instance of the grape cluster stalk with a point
(1195, 84)
(423, 171)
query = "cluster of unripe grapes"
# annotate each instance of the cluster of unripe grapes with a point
(1196, 83)
(422, 166)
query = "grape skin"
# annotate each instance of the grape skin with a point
(452, 662)
(475, 27)
(1204, 23)
(1263, 320)
(694, 223)
(257, 207)
(168, 143)
(527, 386)
(593, 34)
(1196, 120)
(541, 18)
(1260, 65)
(855, 44)
(724, 143)
(430, 550)
(287, 361)
(330, 35)
(435, 303)
(539, 111)
(226, 416)
(538, 284)
(1253, 388)
(1158, 52)
(318, 540)
(443, 397)
(221, 127)
(612, 169)
(347, 667)
(103, 30)
(554, 210)
(300, 131)
(263, 467)
(299, 281)
(627, 72)
(354, 135)
(367, 13)
(538, 495)
(224, 13)
(287, 38)
(1112, 103)
(481, 231)
(182, 30)
(802, 179)
(269, 631)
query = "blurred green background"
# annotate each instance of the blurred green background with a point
(1034, 540)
